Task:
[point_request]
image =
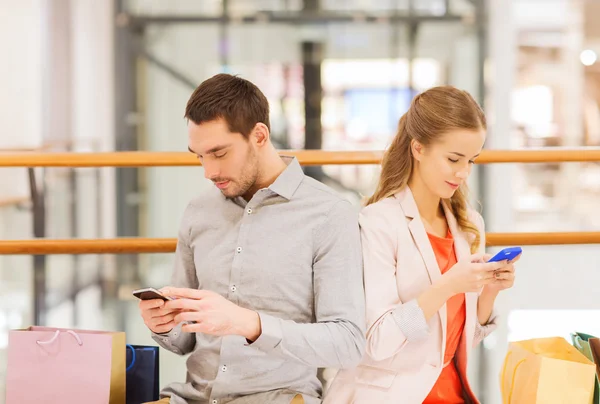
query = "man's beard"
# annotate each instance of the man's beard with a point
(247, 180)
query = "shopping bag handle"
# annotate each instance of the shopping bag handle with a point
(56, 334)
(576, 338)
(512, 382)
(132, 358)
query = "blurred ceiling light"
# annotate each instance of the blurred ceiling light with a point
(588, 57)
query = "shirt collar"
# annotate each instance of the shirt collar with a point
(289, 180)
(286, 183)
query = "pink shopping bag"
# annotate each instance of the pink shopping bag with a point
(52, 365)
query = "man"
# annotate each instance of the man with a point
(268, 273)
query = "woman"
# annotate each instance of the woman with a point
(429, 292)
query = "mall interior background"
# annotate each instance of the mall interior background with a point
(103, 75)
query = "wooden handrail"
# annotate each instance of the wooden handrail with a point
(167, 245)
(556, 238)
(131, 245)
(163, 159)
(306, 157)
(17, 200)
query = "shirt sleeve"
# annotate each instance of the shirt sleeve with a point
(184, 276)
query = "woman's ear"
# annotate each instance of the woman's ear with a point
(416, 149)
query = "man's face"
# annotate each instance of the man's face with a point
(229, 159)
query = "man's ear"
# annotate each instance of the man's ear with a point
(260, 134)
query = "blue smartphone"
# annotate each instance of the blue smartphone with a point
(507, 254)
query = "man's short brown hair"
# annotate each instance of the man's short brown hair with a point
(237, 101)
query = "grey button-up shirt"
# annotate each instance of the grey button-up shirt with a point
(293, 254)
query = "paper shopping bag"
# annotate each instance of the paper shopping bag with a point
(548, 371)
(142, 374)
(50, 365)
(584, 344)
(595, 349)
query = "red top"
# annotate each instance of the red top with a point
(448, 388)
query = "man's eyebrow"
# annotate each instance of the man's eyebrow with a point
(217, 148)
(211, 151)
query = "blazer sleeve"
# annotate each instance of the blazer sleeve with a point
(391, 323)
(482, 331)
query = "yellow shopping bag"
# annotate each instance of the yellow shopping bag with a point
(546, 370)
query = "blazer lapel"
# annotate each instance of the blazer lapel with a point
(463, 252)
(419, 235)
(461, 245)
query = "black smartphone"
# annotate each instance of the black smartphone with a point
(150, 294)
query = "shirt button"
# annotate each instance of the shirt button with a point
(233, 288)
(224, 368)
(239, 249)
(249, 211)
(214, 401)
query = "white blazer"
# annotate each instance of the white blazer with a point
(405, 353)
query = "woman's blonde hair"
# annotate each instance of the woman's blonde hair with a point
(431, 114)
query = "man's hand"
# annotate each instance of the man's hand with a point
(157, 317)
(210, 313)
